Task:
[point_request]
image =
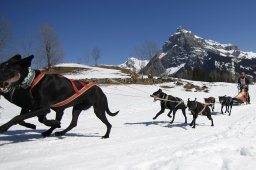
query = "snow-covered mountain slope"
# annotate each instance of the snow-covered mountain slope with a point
(92, 72)
(136, 141)
(185, 47)
(134, 64)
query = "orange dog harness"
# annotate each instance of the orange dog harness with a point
(71, 98)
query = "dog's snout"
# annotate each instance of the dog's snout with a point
(4, 84)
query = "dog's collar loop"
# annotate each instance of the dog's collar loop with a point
(29, 79)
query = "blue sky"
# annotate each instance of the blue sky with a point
(116, 27)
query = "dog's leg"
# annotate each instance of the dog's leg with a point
(159, 113)
(46, 122)
(194, 121)
(222, 105)
(100, 113)
(169, 114)
(173, 117)
(75, 114)
(184, 114)
(25, 124)
(19, 118)
(59, 115)
(230, 109)
(212, 121)
(210, 118)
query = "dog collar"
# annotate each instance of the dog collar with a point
(29, 79)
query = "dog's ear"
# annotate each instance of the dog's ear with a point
(160, 90)
(15, 58)
(25, 62)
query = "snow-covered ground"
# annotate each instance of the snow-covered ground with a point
(92, 72)
(136, 141)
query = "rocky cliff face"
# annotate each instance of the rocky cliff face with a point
(184, 51)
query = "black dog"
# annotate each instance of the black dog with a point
(51, 90)
(21, 97)
(210, 101)
(198, 108)
(226, 101)
(169, 102)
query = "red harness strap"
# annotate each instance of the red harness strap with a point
(70, 99)
(74, 86)
(76, 95)
(36, 80)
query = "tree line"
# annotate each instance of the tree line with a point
(199, 74)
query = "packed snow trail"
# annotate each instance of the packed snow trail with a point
(136, 141)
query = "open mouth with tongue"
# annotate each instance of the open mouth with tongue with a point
(5, 85)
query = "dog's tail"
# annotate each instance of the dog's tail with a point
(110, 113)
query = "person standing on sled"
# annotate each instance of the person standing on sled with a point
(243, 83)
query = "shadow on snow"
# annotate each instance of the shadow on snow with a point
(18, 136)
(166, 124)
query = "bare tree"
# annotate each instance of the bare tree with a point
(96, 55)
(146, 52)
(50, 50)
(86, 57)
(5, 35)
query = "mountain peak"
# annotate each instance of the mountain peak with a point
(180, 29)
(134, 64)
(185, 47)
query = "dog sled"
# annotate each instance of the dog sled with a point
(241, 98)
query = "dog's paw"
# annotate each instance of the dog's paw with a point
(59, 133)
(46, 134)
(3, 128)
(104, 137)
(33, 127)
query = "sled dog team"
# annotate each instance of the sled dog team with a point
(37, 93)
